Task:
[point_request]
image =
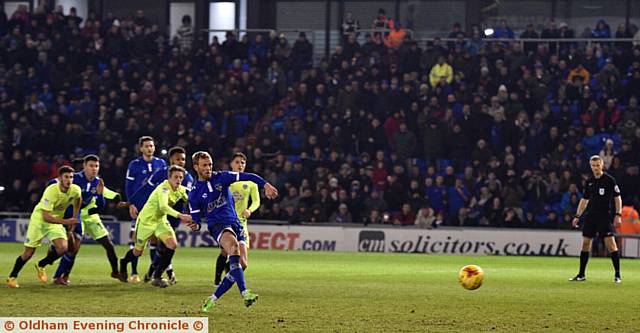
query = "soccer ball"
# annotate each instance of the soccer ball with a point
(471, 277)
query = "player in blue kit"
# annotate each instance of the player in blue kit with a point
(177, 156)
(138, 173)
(94, 193)
(211, 197)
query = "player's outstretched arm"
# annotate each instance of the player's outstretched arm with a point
(111, 195)
(269, 190)
(247, 176)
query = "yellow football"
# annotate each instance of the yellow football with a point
(471, 277)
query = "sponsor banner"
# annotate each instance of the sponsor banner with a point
(21, 229)
(464, 241)
(305, 238)
(471, 241)
(7, 230)
(104, 324)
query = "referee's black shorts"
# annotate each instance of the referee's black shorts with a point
(598, 223)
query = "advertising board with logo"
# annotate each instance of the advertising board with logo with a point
(462, 241)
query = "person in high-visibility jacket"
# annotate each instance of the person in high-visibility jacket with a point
(630, 223)
(440, 71)
(396, 37)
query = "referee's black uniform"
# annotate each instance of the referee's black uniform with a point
(600, 193)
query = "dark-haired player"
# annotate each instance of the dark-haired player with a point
(138, 173)
(94, 193)
(47, 221)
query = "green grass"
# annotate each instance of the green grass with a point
(348, 292)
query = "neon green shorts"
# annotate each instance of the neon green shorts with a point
(92, 226)
(38, 230)
(144, 231)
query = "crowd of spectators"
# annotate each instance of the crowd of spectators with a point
(463, 132)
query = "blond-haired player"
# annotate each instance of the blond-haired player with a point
(243, 192)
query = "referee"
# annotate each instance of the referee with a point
(601, 189)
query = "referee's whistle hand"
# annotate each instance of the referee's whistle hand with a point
(575, 222)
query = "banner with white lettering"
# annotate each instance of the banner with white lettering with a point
(465, 241)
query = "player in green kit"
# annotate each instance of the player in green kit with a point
(152, 221)
(242, 192)
(47, 221)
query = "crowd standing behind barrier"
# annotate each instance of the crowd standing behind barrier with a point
(464, 131)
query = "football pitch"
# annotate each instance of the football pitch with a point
(346, 292)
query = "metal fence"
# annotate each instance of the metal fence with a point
(559, 42)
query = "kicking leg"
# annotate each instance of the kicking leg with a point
(229, 243)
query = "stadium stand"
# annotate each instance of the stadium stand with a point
(475, 131)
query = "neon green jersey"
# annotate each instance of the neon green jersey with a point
(160, 203)
(241, 192)
(55, 201)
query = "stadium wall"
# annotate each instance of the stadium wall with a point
(462, 241)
